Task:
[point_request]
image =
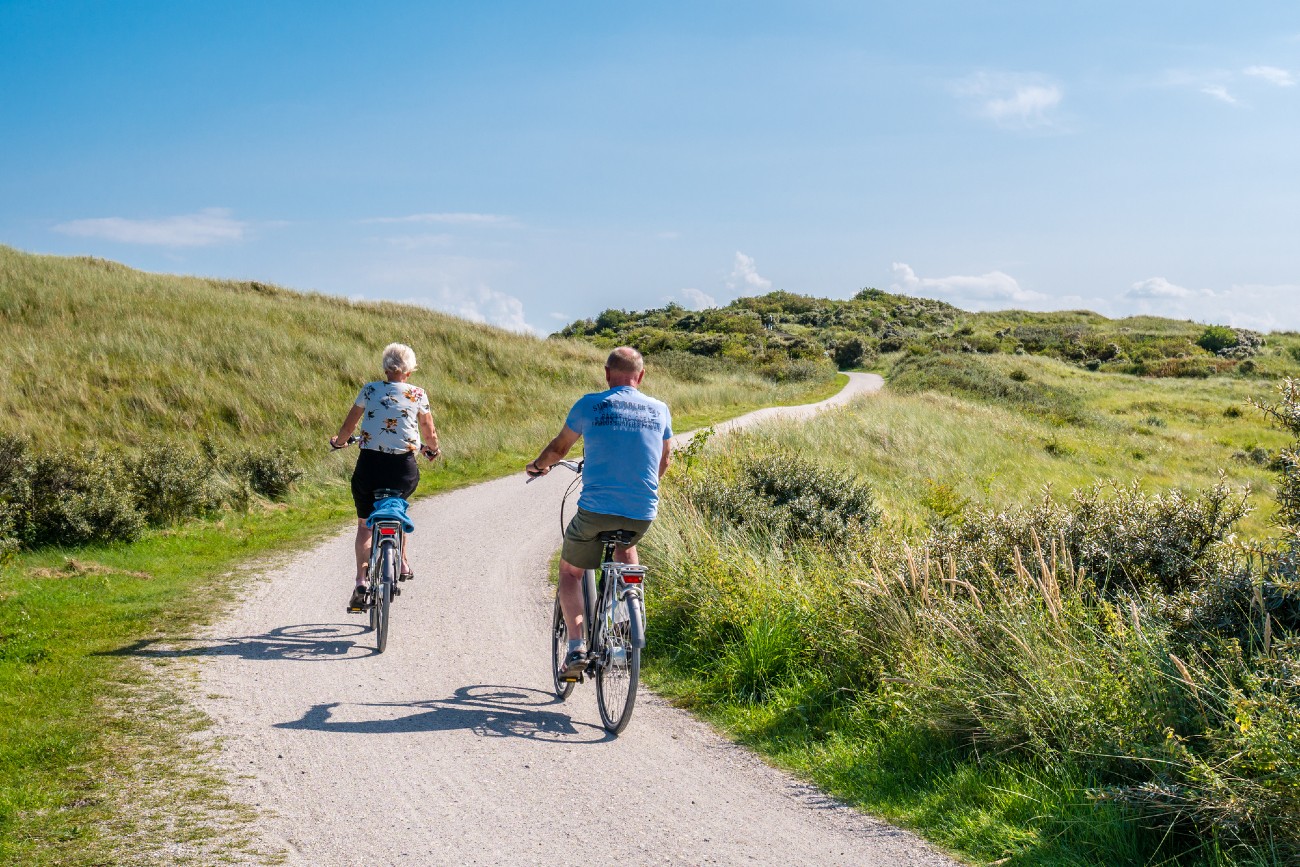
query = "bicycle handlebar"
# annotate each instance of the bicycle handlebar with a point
(576, 466)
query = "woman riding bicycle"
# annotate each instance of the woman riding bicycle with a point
(395, 418)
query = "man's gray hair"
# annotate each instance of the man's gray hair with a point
(625, 359)
(398, 358)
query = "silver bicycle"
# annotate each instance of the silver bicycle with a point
(614, 625)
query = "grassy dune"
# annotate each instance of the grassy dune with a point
(96, 351)
(97, 354)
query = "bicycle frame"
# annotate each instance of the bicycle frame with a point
(619, 582)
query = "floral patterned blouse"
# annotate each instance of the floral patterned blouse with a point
(389, 421)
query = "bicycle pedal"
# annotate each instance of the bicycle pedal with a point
(397, 591)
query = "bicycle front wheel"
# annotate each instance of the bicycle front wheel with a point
(619, 673)
(383, 596)
(559, 650)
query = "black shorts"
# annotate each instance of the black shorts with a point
(377, 470)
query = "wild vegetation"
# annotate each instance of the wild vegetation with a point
(783, 333)
(157, 432)
(1022, 611)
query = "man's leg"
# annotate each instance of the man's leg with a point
(626, 555)
(571, 599)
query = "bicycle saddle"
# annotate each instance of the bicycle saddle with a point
(382, 493)
(618, 537)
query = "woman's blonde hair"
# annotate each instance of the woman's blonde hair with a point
(398, 358)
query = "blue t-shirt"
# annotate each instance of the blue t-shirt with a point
(624, 432)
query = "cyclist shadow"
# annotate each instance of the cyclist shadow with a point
(303, 641)
(486, 710)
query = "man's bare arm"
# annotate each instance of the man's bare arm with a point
(666, 458)
(554, 451)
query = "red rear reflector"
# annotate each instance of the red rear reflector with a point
(387, 531)
(633, 578)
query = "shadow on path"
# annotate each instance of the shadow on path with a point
(304, 641)
(486, 710)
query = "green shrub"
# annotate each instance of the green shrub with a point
(788, 499)
(269, 473)
(171, 485)
(1120, 537)
(79, 499)
(1216, 338)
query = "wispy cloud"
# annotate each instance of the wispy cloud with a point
(203, 229)
(1219, 92)
(744, 276)
(450, 219)
(981, 292)
(697, 300)
(1013, 100)
(1271, 74)
(1159, 287)
(419, 242)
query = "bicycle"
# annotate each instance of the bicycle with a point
(613, 624)
(387, 545)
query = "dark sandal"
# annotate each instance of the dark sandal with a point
(357, 603)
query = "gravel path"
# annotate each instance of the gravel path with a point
(450, 747)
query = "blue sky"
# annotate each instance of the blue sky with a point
(528, 163)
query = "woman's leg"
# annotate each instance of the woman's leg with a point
(363, 551)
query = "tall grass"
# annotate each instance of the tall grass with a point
(1017, 659)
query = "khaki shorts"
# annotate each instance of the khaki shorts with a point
(583, 549)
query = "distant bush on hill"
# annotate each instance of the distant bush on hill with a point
(780, 328)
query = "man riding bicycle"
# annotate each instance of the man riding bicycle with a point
(627, 437)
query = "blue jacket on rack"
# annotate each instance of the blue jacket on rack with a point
(391, 509)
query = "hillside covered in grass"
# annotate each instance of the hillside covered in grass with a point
(779, 329)
(130, 399)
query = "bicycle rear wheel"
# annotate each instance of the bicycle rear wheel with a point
(618, 675)
(383, 596)
(559, 649)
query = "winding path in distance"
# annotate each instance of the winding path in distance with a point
(450, 748)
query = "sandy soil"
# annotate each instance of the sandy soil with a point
(450, 748)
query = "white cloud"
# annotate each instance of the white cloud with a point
(1219, 92)
(484, 304)
(697, 300)
(207, 227)
(744, 276)
(1271, 74)
(1013, 101)
(1159, 287)
(452, 219)
(983, 292)
(1259, 306)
